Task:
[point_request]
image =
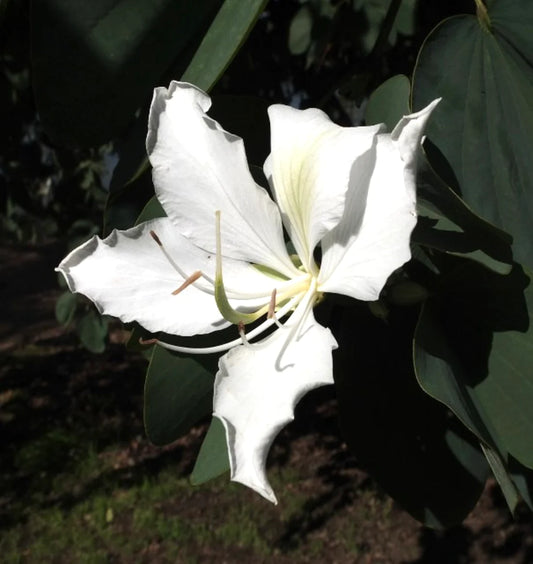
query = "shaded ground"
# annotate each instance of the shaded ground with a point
(80, 483)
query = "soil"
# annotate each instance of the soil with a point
(66, 382)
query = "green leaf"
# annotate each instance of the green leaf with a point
(227, 33)
(151, 210)
(66, 306)
(389, 102)
(446, 223)
(213, 459)
(502, 476)
(95, 63)
(484, 124)
(92, 330)
(132, 179)
(474, 352)
(523, 479)
(420, 454)
(178, 392)
(300, 31)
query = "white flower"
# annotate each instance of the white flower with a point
(220, 255)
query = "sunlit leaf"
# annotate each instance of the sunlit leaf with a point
(484, 124)
(446, 223)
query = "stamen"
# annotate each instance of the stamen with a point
(272, 310)
(272, 305)
(188, 279)
(167, 256)
(156, 238)
(243, 335)
(291, 304)
(307, 305)
(192, 278)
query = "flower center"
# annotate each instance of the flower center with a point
(286, 295)
(280, 296)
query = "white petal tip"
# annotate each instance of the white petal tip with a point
(427, 110)
(263, 489)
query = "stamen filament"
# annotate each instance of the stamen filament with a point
(272, 310)
(243, 335)
(291, 304)
(310, 298)
(168, 257)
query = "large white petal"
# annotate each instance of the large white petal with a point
(372, 239)
(199, 168)
(310, 167)
(127, 276)
(257, 387)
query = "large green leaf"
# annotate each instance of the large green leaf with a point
(474, 352)
(178, 392)
(446, 223)
(484, 124)
(95, 63)
(422, 456)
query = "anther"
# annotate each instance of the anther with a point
(170, 259)
(191, 280)
(147, 342)
(156, 238)
(272, 306)
(272, 310)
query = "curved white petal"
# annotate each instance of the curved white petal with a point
(372, 239)
(128, 276)
(257, 387)
(198, 168)
(309, 169)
